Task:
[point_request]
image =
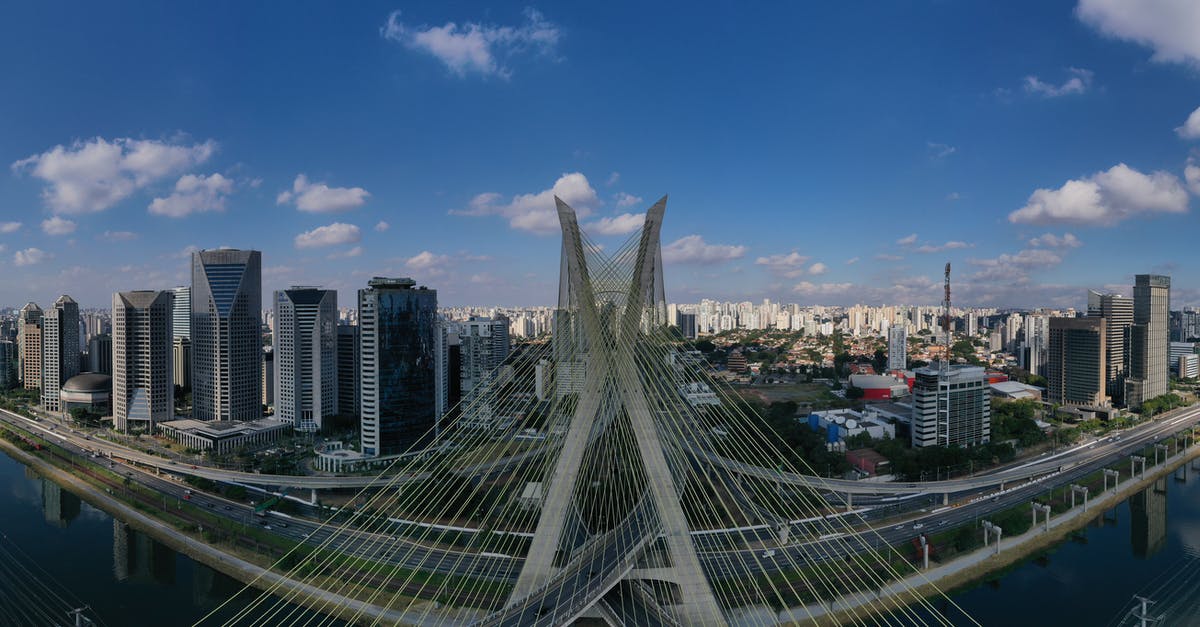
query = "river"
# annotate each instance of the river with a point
(1148, 545)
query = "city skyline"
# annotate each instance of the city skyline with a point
(986, 155)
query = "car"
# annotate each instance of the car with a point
(227, 508)
(306, 536)
(943, 523)
(768, 553)
(267, 527)
(283, 524)
(899, 527)
(919, 526)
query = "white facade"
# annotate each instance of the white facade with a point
(143, 364)
(951, 407)
(305, 349)
(897, 348)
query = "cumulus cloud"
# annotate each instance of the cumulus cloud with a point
(118, 236)
(940, 151)
(937, 248)
(789, 265)
(1169, 27)
(1050, 240)
(30, 256)
(907, 240)
(1191, 126)
(57, 226)
(382, 226)
(10, 227)
(94, 175)
(627, 200)
(817, 269)
(693, 249)
(1191, 174)
(1105, 198)
(425, 260)
(321, 198)
(536, 212)
(1079, 82)
(194, 194)
(851, 261)
(1015, 268)
(475, 48)
(346, 254)
(808, 288)
(617, 225)
(334, 234)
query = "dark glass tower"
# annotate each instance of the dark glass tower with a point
(398, 328)
(226, 335)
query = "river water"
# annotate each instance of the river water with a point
(1147, 545)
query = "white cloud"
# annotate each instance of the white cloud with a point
(613, 179)
(1079, 82)
(10, 227)
(97, 174)
(627, 200)
(118, 236)
(473, 47)
(907, 240)
(817, 269)
(851, 261)
(808, 288)
(382, 226)
(953, 196)
(937, 248)
(940, 151)
(1191, 174)
(30, 256)
(321, 198)
(332, 235)
(790, 265)
(536, 212)
(425, 260)
(194, 194)
(1015, 268)
(57, 226)
(617, 225)
(1050, 240)
(888, 257)
(1169, 27)
(1191, 127)
(1105, 198)
(357, 251)
(693, 249)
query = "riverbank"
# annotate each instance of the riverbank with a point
(243, 570)
(978, 565)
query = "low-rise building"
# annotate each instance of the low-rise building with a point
(224, 436)
(1015, 390)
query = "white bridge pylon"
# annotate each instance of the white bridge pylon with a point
(609, 325)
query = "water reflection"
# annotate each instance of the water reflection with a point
(140, 558)
(59, 506)
(1148, 525)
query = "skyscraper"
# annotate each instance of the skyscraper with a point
(398, 345)
(1117, 311)
(143, 384)
(347, 370)
(305, 343)
(226, 338)
(60, 349)
(484, 345)
(183, 313)
(181, 356)
(897, 347)
(1076, 371)
(951, 406)
(1149, 338)
(100, 355)
(8, 364)
(29, 346)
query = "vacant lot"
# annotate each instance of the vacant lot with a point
(799, 392)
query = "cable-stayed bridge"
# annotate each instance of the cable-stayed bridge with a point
(583, 482)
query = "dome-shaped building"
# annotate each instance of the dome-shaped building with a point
(90, 390)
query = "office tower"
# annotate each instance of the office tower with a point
(1148, 367)
(29, 346)
(143, 386)
(60, 349)
(305, 347)
(687, 325)
(183, 313)
(1117, 311)
(951, 406)
(483, 347)
(398, 342)
(226, 339)
(181, 358)
(100, 354)
(268, 376)
(897, 347)
(347, 370)
(1076, 361)
(8, 364)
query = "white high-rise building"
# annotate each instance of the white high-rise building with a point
(143, 364)
(60, 349)
(305, 347)
(951, 406)
(897, 347)
(182, 315)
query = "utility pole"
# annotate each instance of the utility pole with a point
(80, 619)
(1142, 613)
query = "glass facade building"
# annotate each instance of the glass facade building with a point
(226, 335)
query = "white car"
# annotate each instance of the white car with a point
(768, 553)
(919, 526)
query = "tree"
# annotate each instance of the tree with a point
(854, 393)
(705, 346)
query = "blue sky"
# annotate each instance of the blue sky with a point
(812, 154)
